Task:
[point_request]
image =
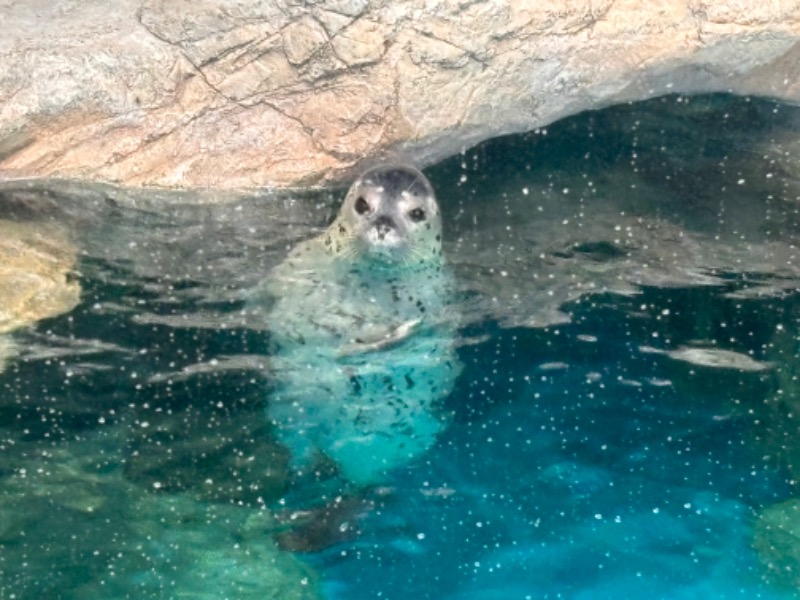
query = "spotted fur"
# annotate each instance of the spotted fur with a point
(363, 332)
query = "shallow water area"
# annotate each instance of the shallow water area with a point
(625, 424)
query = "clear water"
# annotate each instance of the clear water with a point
(591, 454)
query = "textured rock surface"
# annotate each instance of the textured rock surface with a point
(35, 260)
(220, 94)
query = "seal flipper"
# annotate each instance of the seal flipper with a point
(323, 526)
(392, 337)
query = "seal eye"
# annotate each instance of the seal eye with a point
(417, 215)
(362, 206)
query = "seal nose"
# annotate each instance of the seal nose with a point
(384, 225)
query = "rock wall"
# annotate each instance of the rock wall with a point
(215, 93)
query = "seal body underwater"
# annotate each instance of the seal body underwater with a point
(362, 332)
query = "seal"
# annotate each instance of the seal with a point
(362, 332)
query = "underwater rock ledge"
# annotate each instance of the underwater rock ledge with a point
(282, 93)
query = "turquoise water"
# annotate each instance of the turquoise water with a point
(631, 340)
(592, 480)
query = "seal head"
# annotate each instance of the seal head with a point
(390, 214)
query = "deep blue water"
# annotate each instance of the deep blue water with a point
(589, 455)
(584, 481)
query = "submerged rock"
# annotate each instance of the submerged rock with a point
(777, 540)
(287, 93)
(35, 262)
(72, 526)
(226, 456)
(8, 350)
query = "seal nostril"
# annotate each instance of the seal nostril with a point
(384, 224)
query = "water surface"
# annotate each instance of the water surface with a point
(629, 290)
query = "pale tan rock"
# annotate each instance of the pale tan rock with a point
(210, 93)
(361, 42)
(303, 39)
(35, 261)
(35, 264)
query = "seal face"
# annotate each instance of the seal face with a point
(362, 332)
(390, 213)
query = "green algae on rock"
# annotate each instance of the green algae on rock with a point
(777, 540)
(160, 545)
